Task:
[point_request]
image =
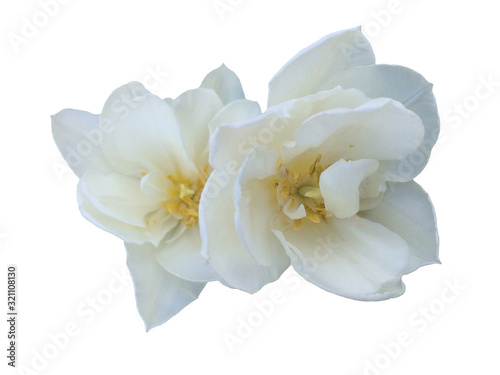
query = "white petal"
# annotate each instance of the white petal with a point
(414, 92)
(116, 204)
(159, 294)
(313, 69)
(142, 133)
(231, 142)
(235, 111)
(371, 191)
(118, 196)
(293, 210)
(256, 205)
(220, 242)
(182, 257)
(379, 129)
(225, 83)
(340, 182)
(78, 138)
(127, 232)
(155, 185)
(194, 109)
(407, 210)
(353, 257)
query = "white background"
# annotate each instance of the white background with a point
(88, 48)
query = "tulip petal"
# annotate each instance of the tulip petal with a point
(314, 68)
(220, 243)
(340, 183)
(256, 205)
(142, 133)
(407, 210)
(414, 92)
(194, 109)
(159, 294)
(182, 257)
(379, 129)
(118, 196)
(353, 257)
(225, 83)
(111, 199)
(231, 142)
(78, 138)
(127, 232)
(235, 111)
(155, 185)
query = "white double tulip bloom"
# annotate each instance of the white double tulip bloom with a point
(142, 164)
(323, 180)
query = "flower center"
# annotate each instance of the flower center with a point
(299, 196)
(184, 197)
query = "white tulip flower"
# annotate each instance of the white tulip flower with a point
(142, 164)
(323, 179)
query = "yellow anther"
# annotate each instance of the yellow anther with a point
(305, 189)
(286, 189)
(186, 192)
(312, 168)
(313, 216)
(184, 197)
(297, 223)
(351, 146)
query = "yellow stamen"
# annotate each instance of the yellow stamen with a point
(302, 190)
(297, 223)
(184, 197)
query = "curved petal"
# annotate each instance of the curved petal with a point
(256, 205)
(78, 138)
(221, 244)
(339, 185)
(231, 142)
(182, 257)
(159, 295)
(313, 69)
(379, 129)
(414, 92)
(142, 133)
(407, 210)
(127, 232)
(193, 110)
(225, 83)
(353, 257)
(235, 111)
(371, 191)
(118, 196)
(155, 185)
